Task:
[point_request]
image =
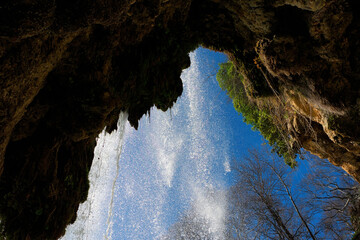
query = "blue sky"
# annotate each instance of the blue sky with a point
(142, 181)
(175, 158)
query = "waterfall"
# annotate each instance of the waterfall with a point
(175, 161)
(172, 163)
(91, 223)
(203, 159)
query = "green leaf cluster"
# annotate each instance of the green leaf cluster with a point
(233, 83)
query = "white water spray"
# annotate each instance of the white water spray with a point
(168, 165)
(203, 185)
(171, 164)
(91, 222)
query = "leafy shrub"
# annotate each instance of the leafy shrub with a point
(260, 118)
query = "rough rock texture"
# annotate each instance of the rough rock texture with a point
(67, 69)
(315, 73)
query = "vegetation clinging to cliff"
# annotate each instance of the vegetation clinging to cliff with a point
(260, 118)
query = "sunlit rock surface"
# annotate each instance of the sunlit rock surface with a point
(68, 68)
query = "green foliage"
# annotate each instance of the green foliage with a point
(260, 119)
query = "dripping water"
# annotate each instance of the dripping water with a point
(141, 182)
(90, 222)
(174, 163)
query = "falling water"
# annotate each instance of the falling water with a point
(91, 223)
(175, 161)
(202, 159)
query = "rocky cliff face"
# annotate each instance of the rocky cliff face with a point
(67, 69)
(314, 74)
